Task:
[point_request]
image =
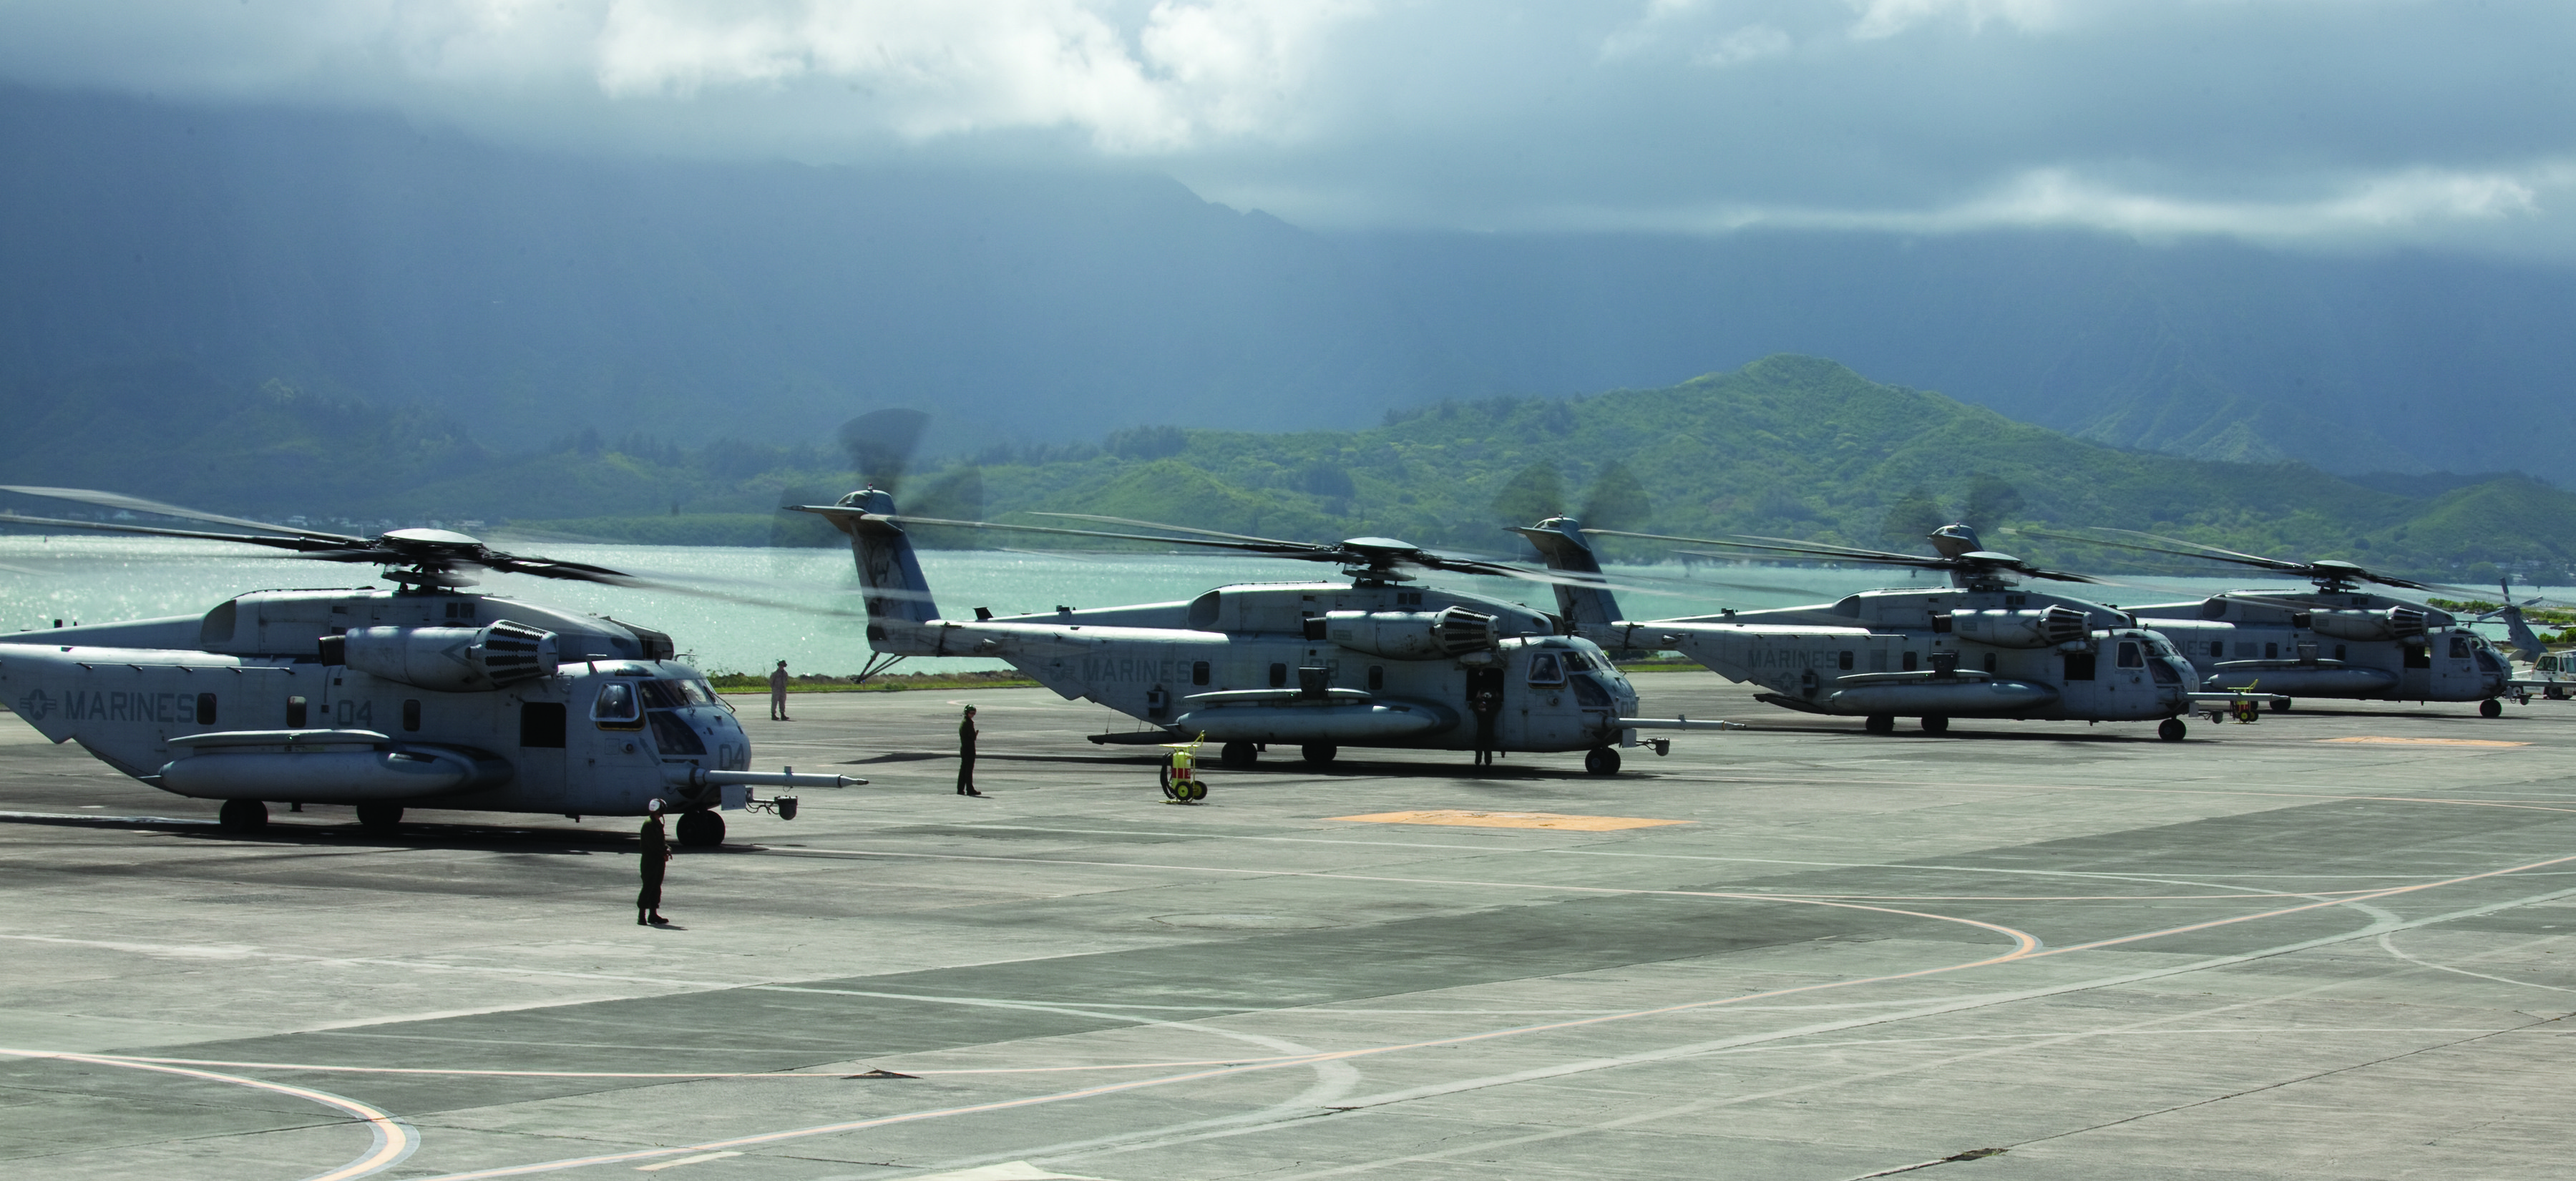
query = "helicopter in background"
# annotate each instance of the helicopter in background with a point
(1373, 660)
(1982, 647)
(2336, 641)
(425, 696)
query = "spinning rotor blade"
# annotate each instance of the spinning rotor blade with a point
(881, 443)
(137, 504)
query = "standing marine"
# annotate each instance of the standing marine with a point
(778, 693)
(1485, 705)
(653, 855)
(966, 754)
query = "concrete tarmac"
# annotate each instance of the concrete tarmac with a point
(2335, 943)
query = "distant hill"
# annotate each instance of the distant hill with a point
(1787, 446)
(524, 296)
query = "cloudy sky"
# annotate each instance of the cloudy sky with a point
(2327, 124)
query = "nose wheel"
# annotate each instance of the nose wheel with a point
(1880, 724)
(380, 818)
(701, 830)
(2172, 730)
(2490, 708)
(1601, 760)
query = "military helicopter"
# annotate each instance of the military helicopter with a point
(1374, 660)
(425, 696)
(1981, 648)
(2335, 641)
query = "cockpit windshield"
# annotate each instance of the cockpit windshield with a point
(676, 694)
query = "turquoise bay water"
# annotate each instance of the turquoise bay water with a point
(102, 579)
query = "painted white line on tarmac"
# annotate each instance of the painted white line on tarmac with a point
(395, 1140)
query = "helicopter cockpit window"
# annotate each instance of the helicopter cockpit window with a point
(2130, 656)
(675, 694)
(1588, 693)
(1545, 669)
(672, 735)
(617, 707)
(1577, 662)
(2459, 647)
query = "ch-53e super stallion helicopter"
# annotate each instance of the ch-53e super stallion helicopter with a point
(2335, 641)
(1980, 648)
(425, 696)
(1372, 661)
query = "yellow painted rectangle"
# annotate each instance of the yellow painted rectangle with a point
(1461, 819)
(2428, 741)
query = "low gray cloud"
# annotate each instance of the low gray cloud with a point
(2323, 123)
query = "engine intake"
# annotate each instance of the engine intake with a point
(452, 659)
(1411, 635)
(2044, 628)
(2395, 623)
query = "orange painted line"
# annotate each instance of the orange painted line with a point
(1551, 820)
(394, 1139)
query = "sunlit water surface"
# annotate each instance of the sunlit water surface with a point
(103, 579)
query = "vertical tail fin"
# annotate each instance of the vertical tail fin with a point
(2517, 631)
(1584, 603)
(897, 596)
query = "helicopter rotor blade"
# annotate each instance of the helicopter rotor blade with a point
(118, 500)
(304, 545)
(1784, 545)
(1175, 528)
(1284, 549)
(2236, 554)
(2209, 553)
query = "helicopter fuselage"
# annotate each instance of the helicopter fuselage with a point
(1361, 663)
(1948, 653)
(436, 700)
(2335, 644)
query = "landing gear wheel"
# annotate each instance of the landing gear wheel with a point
(1601, 760)
(1936, 724)
(1319, 754)
(242, 816)
(380, 818)
(701, 830)
(1238, 755)
(2172, 730)
(1880, 724)
(2490, 708)
(2280, 705)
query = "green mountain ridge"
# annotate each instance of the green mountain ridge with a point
(1788, 446)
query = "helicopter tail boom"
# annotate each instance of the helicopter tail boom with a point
(897, 595)
(1560, 543)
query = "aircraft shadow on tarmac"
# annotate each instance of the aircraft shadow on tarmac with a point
(348, 834)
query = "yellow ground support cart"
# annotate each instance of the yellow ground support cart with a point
(1181, 782)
